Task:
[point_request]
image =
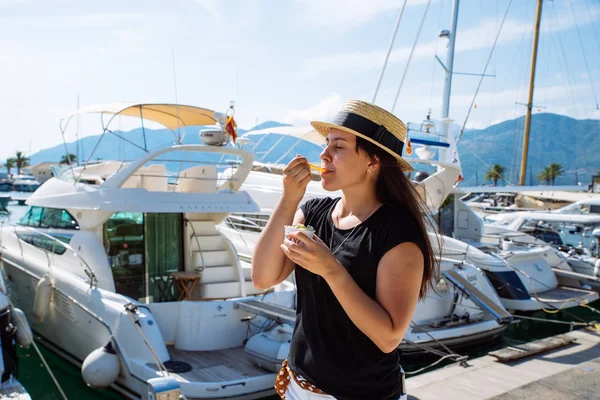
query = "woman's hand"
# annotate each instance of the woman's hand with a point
(311, 254)
(296, 176)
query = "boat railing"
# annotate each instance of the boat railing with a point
(247, 223)
(56, 245)
(207, 169)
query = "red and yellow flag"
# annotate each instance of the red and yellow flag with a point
(408, 146)
(231, 128)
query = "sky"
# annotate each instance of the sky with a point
(290, 61)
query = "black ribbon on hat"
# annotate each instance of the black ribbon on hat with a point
(370, 129)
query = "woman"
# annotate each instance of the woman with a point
(361, 275)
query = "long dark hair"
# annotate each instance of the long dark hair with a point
(394, 187)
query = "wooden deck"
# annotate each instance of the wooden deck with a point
(217, 366)
(486, 378)
(512, 353)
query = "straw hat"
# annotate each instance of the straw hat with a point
(371, 123)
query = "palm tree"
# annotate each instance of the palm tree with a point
(544, 176)
(495, 173)
(10, 164)
(554, 171)
(21, 161)
(68, 158)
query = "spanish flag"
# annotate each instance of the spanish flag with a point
(408, 146)
(231, 128)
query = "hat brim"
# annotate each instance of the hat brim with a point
(324, 127)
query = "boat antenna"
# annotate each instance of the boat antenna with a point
(387, 56)
(143, 128)
(77, 155)
(180, 137)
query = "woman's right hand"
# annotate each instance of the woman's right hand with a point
(296, 176)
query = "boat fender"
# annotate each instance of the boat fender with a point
(24, 334)
(41, 304)
(101, 367)
(269, 349)
(597, 268)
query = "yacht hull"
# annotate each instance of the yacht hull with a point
(73, 329)
(456, 343)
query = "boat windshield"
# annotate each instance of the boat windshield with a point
(580, 208)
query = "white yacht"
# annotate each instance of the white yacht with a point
(23, 186)
(574, 230)
(121, 270)
(578, 224)
(25, 183)
(539, 276)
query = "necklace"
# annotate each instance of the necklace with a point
(351, 232)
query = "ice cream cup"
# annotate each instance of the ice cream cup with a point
(291, 228)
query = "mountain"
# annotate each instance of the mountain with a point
(264, 125)
(554, 138)
(112, 146)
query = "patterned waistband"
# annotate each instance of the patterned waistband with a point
(283, 380)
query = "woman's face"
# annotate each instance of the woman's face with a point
(344, 165)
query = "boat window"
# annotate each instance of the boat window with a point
(39, 217)
(44, 242)
(594, 209)
(143, 250)
(55, 218)
(548, 236)
(32, 217)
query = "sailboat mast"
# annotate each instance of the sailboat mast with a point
(536, 35)
(448, 68)
(449, 65)
(77, 155)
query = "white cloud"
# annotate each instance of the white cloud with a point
(475, 38)
(72, 21)
(6, 4)
(346, 14)
(492, 106)
(510, 96)
(324, 110)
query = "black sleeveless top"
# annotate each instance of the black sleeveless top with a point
(327, 348)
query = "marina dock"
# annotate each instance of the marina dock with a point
(569, 372)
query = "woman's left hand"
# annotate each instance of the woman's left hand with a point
(311, 254)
